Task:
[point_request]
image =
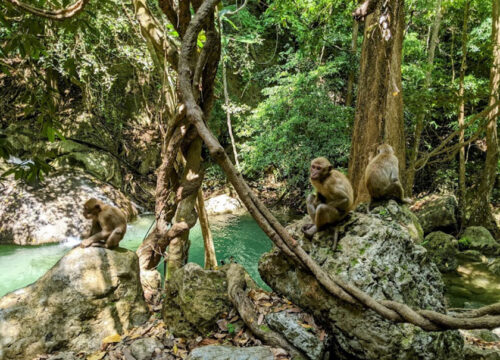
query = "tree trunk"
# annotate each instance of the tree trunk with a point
(379, 107)
(179, 245)
(461, 118)
(481, 211)
(419, 125)
(210, 259)
(352, 72)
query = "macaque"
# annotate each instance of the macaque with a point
(333, 199)
(382, 176)
(109, 225)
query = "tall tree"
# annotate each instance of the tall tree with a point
(379, 106)
(419, 124)
(461, 114)
(480, 209)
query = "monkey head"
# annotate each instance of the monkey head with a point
(385, 149)
(92, 208)
(320, 169)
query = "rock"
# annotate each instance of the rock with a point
(494, 266)
(473, 256)
(143, 349)
(65, 355)
(53, 212)
(288, 325)
(89, 294)
(195, 299)
(222, 352)
(472, 352)
(483, 334)
(376, 254)
(100, 164)
(438, 213)
(223, 204)
(443, 250)
(151, 285)
(478, 238)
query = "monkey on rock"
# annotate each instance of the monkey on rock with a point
(109, 225)
(382, 176)
(333, 199)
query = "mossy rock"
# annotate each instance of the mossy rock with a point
(443, 250)
(479, 238)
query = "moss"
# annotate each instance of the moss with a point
(265, 328)
(354, 262)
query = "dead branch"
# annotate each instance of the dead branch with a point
(58, 15)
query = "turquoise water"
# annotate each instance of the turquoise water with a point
(239, 237)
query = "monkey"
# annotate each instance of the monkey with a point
(382, 176)
(109, 225)
(333, 199)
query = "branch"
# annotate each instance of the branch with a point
(59, 15)
(228, 13)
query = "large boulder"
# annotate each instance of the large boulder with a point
(479, 238)
(437, 213)
(88, 295)
(223, 204)
(53, 212)
(377, 254)
(443, 249)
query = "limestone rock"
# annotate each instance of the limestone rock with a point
(223, 204)
(443, 250)
(494, 266)
(221, 352)
(377, 254)
(143, 349)
(438, 213)
(472, 352)
(195, 300)
(89, 294)
(288, 325)
(479, 238)
(53, 212)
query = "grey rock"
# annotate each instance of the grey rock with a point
(66, 355)
(288, 325)
(53, 212)
(195, 300)
(89, 294)
(223, 204)
(479, 238)
(439, 213)
(443, 250)
(220, 352)
(143, 349)
(376, 254)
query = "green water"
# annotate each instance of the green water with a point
(239, 237)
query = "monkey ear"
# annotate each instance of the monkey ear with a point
(330, 168)
(97, 207)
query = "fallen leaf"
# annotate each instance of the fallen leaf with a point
(97, 356)
(115, 338)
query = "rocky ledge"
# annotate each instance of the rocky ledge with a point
(88, 295)
(378, 253)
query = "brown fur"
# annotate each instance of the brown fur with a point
(382, 176)
(333, 199)
(109, 224)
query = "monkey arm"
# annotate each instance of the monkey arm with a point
(340, 200)
(365, 9)
(101, 235)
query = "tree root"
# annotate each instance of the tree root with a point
(236, 288)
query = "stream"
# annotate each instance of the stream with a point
(471, 286)
(239, 237)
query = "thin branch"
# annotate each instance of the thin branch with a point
(58, 15)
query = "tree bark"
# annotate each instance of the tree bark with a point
(481, 210)
(379, 106)
(419, 125)
(461, 117)
(210, 258)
